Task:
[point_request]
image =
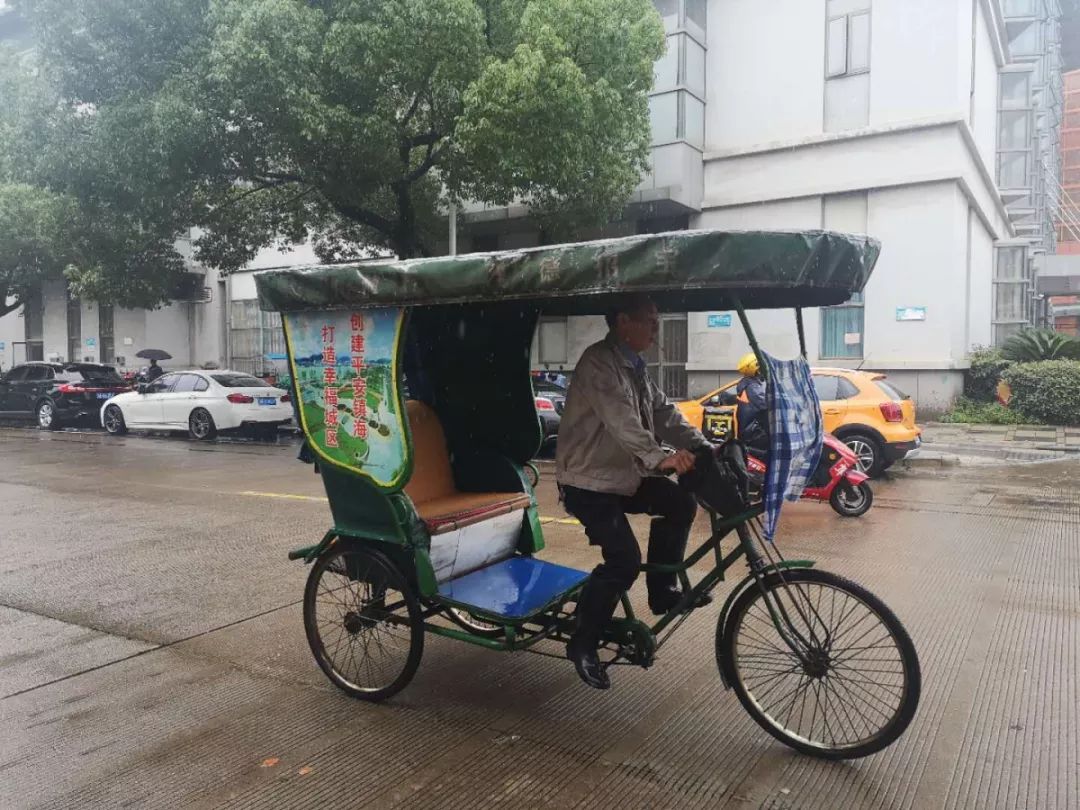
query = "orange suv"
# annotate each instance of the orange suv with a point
(861, 408)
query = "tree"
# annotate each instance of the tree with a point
(47, 232)
(347, 121)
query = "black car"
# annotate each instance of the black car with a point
(550, 403)
(55, 394)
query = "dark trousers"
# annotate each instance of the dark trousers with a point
(604, 517)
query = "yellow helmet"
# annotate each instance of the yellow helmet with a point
(748, 365)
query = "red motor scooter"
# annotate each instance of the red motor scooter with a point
(837, 478)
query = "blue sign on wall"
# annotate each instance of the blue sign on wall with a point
(2, 345)
(911, 313)
(90, 343)
(720, 321)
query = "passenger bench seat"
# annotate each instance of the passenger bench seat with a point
(431, 488)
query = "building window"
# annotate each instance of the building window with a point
(553, 341)
(255, 337)
(1014, 129)
(848, 45)
(1012, 286)
(1013, 170)
(842, 329)
(1015, 90)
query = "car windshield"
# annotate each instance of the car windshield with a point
(103, 375)
(891, 390)
(240, 381)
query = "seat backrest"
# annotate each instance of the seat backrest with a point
(432, 476)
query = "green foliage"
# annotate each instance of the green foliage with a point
(982, 413)
(1033, 345)
(984, 373)
(1047, 391)
(261, 122)
(50, 227)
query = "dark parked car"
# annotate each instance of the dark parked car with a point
(55, 394)
(550, 402)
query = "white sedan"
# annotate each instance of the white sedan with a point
(202, 402)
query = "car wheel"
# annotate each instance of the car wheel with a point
(868, 451)
(201, 425)
(46, 415)
(113, 421)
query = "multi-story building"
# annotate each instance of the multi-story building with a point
(1068, 239)
(929, 124)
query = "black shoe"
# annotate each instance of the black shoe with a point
(664, 601)
(588, 665)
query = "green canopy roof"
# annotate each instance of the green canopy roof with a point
(689, 271)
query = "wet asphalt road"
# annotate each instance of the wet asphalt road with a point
(152, 654)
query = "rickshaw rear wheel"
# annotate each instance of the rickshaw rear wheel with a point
(474, 624)
(363, 622)
(855, 688)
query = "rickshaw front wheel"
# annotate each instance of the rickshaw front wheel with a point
(851, 684)
(363, 622)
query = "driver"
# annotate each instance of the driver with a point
(609, 464)
(752, 410)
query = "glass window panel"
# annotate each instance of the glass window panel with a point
(836, 64)
(1024, 40)
(553, 340)
(1010, 301)
(664, 117)
(858, 43)
(827, 387)
(694, 120)
(695, 67)
(1010, 264)
(1013, 129)
(666, 68)
(1015, 89)
(841, 332)
(1013, 170)
(696, 13)
(1019, 8)
(185, 383)
(669, 13)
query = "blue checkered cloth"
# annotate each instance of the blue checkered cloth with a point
(796, 433)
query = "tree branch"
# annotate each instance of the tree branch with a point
(429, 160)
(365, 217)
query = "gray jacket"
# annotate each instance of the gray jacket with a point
(614, 421)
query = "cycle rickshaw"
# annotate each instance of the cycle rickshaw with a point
(411, 382)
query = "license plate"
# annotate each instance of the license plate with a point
(104, 396)
(267, 401)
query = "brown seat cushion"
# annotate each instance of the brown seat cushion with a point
(431, 488)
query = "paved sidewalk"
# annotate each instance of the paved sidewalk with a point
(1034, 437)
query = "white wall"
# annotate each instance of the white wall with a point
(54, 321)
(168, 328)
(129, 333)
(923, 263)
(984, 123)
(765, 71)
(980, 286)
(915, 48)
(12, 331)
(89, 323)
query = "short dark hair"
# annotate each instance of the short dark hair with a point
(631, 305)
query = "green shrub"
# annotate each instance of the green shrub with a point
(981, 378)
(982, 413)
(1047, 392)
(1033, 345)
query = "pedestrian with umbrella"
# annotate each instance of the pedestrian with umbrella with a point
(153, 355)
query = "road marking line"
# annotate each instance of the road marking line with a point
(290, 496)
(285, 495)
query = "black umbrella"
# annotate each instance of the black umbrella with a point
(154, 354)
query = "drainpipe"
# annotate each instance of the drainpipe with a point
(453, 228)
